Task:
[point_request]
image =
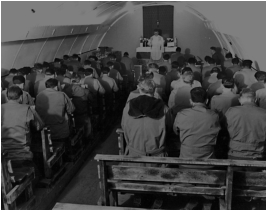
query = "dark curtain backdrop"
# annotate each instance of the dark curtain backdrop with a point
(165, 16)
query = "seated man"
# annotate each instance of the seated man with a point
(185, 80)
(246, 125)
(228, 60)
(206, 71)
(40, 85)
(114, 74)
(53, 107)
(74, 62)
(8, 79)
(19, 81)
(227, 99)
(198, 127)
(107, 82)
(87, 65)
(60, 75)
(246, 76)
(166, 63)
(173, 75)
(261, 96)
(230, 71)
(80, 98)
(93, 84)
(260, 76)
(16, 121)
(196, 70)
(211, 79)
(175, 56)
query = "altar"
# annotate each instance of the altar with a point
(145, 52)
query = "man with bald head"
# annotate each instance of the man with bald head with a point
(246, 125)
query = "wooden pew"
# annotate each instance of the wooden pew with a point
(16, 184)
(121, 141)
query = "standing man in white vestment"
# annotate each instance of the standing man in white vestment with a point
(157, 46)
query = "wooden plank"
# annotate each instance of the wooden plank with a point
(257, 179)
(250, 193)
(165, 188)
(18, 189)
(68, 206)
(157, 174)
(55, 157)
(228, 191)
(28, 204)
(105, 193)
(171, 160)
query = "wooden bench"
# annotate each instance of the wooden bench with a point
(117, 176)
(68, 206)
(16, 184)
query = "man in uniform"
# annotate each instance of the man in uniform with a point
(157, 46)
(93, 84)
(196, 70)
(174, 56)
(53, 107)
(40, 85)
(260, 76)
(173, 75)
(211, 79)
(247, 128)
(166, 63)
(230, 71)
(207, 69)
(217, 56)
(16, 119)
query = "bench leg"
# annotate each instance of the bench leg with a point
(222, 204)
(115, 198)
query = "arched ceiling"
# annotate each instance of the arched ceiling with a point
(241, 23)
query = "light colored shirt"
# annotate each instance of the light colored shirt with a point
(94, 85)
(180, 83)
(128, 63)
(114, 74)
(108, 84)
(167, 65)
(245, 78)
(198, 128)
(261, 96)
(206, 71)
(209, 80)
(247, 129)
(26, 98)
(180, 97)
(230, 71)
(256, 86)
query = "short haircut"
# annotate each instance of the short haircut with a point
(248, 93)
(13, 71)
(228, 55)
(166, 57)
(147, 86)
(65, 57)
(14, 92)
(113, 56)
(178, 49)
(51, 83)
(260, 76)
(88, 71)
(215, 70)
(211, 61)
(49, 71)
(162, 70)
(156, 30)
(81, 69)
(75, 56)
(192, 61)
(110, 64)
(105, 70)
(235, 61)
(153, 65)
(228, 83)
(18, 79)
(187, 69)
(207, 58)
(198, 95)
(38, 66)
(93, 57)
(27, 70)
(61, 71)
(126, 54)
(56, 60)
(22, 71)
(221, 76)
(63, 66)
(247, 63)
(213, 48)
(175, 65)
(76, 78)
(46, 65)
(87, 62)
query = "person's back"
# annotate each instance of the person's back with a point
(53, 106)
(39, 86)
(261, 77)
(93, 84)
(246, 125)
(127, 62)
(211, 79)
(176, 55)
(108, 83)
(114, 73)
(227, 99)
(9, 78)
(143, 123)
(198, 128)
(171, 76)
(180, 97)
(165, 63)
(74, 63)
(231, 70)
(37, 74)
(261, 97)
(206, 71)
(15, 125)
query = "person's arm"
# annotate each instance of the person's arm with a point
(35, 119)
(97, 85)
(95, 74)
(70, 108)
(176, 124)
(30, 99)
(115, 87)
(119, 77)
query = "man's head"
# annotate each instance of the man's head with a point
(92, 58)
(207, 58)
(51, 83)
(75, 79)
(178, 49)
(213, 50)
(88, 72)
(38, 67)
(211, 61)
(174, 65)
(187, 75)
(65, 57)
(192, 61)
(110, 65)
(215, 70)
(19, 80)
(228, 56)
(260, 76)
(247, 64)
(49, 73)
(13, 71)
(57, 60)
(198, 96)
(166, 57)
(126, 54)
(228, 83)
(112, 57)
(156, 32)
(75, 57)
(61, 71)
(235, 61)
(247, 96)
(105, 70)
(14, 93)
(162, 70)
(221, 76)
(153, 67)
(87, 64)
(147, 87)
